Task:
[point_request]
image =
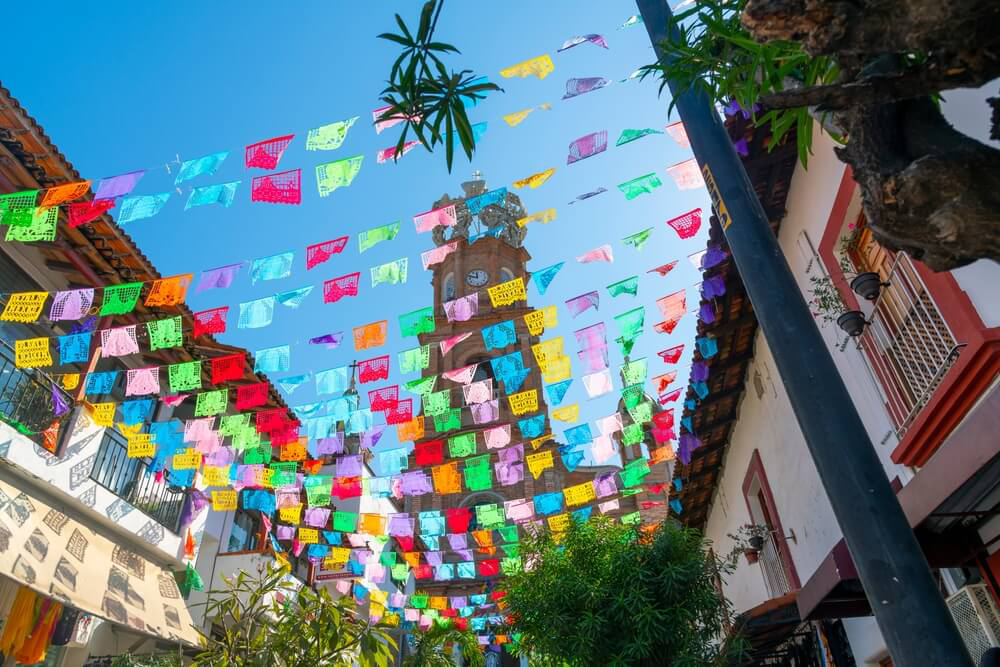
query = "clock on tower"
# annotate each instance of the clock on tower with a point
(477, 278)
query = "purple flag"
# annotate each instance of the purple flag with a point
(464, 554)
(370, 438)
(706, 313)
(586, 146)
(584, 302)
(605, 485)
(286, 532)
(221, 277)
(588, 195)
(509, 473)
(592, 336)
(576, 87)
(713, 287)
(59, 405)
(687, 444)
(417, 483)
(400, 525)
(71, 304)
(457, 541)
(713, 255)
(118, 186)
(433, 558)
(331, 340)
(332, 445)
(699, 371)
(317, 517)
(574, 41)
(349, 466)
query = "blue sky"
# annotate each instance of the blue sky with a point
(121, 86)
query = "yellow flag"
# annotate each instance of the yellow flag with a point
(535, 180)
(541, 67)
(71, 381)
(559, 523)
(557, 369)
(515, 118)
(140, 445)
(539, 462)
(24, 307)
(569, 413)
(547, 350)
(223, 501)
(103, 414)
(548, 215)
(188, 459)
(32, 353)
(308, 535)
(216, 475)
(523, 401)
(579, 494)
(292, 514)
(507, 293)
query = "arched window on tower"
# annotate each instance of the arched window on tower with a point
(474, 500)
(484, 370)
(506, 274)
(448, 288)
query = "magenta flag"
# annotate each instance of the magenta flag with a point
(446, 216)
(592, 336)
(449, 343)
(586, 146)
(576, 87)
(582, 39)
(584, 302)
(460, 310)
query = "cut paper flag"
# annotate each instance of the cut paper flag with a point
(583, 39)
(587, 146)
(628, 286)
(496, 197)
(686, 225)
(628, 136)
(638, 239)
(40, 226)
(535, 180)
(514, 119)
(640, 185)
(331, 340)
(588, 195)
(83, 212)
(202, 166)
(446, 217)
(417, 322)
(635, 19)
(290, 384)
(141, 207)
(678, 134)
(478, 130)
(548, 215)
(661, 382)
(282, 188)
(576, 87)
(318, 253)
(256, 314)
(569, 413)
(602, 254)
(671, 355)
(336, 289)
(664, 269)
(266, 154)
(448, 343)
(340, 173)
(557, 391)
(118, 186)
(583, 303)
(393, 153)
(462, 309)
(541, 67)
(120, 299)
(219, 278)
(370, 335)
(270, 360)
(271, 268)
(386, 123)
(630, 322)
(597, 384)
(543, 277)
(71, 304)
(329, 137)
(391, 273)
(687, 175)
(294, 298)
(673, 305)
(437, 255)
(372, 237)
(222, 193)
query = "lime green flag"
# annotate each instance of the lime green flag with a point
(634, 372)
(641, 185)
(638, 239)
(329, 137)
(332, 175)
(437, 403)
(376, 235)
(461, 446)
(421, 386)
(165, 333)
(392, 273)
(417, 322)
(211, 403)
(184, 377)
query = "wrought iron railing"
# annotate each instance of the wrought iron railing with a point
(26, 402)
(132, 480)
(907, 342)
(773, 568)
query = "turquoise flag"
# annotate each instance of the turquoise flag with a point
(543, 277)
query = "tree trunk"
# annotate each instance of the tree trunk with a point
(927, 189)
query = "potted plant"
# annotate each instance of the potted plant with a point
(749, 540)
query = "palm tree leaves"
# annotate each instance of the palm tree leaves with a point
(429, 98)
(433, 647)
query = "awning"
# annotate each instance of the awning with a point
(962, 472)
(42, 548)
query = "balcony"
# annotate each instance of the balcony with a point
(773, 568)
(907, 343)
(132, 480)
(26, 402)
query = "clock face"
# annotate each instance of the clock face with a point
(477, 278)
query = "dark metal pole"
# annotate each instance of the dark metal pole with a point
(907, 604)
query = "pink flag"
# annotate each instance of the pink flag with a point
(71, 304)
(519, 510)
(483, 413)
(602, 254)
(672, 354)
(142, 381)
(671, 397)
(602, 448)
(385, 124)
(672, 305)
(587, 146)
(320, 252)
(584, 302)
(437, 255)
(679, 134)
(460, 310)
(449, 343)
(463, 375)
(594, 358)
(172, 401)
(593, 39)
(686, 225)
(686, 175)
(597, 384)
(592, 336)
(497, 437)
(119, 341)
(610, 424)
(389, 153)
(446, 216)
(478, 392)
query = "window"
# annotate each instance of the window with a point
(245, 532)
(506, 274)
(484, 371)
(775, 557)
(448, 291)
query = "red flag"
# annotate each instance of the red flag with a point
(664, 269)
(671, 397)
(672, 355)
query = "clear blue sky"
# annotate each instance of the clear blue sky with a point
(121, 85)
